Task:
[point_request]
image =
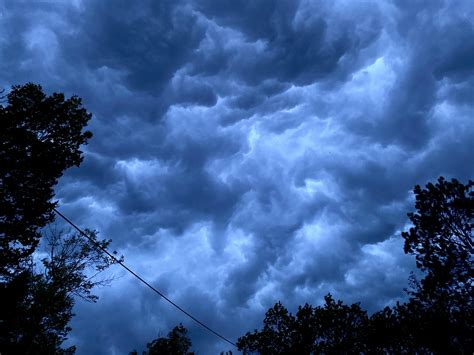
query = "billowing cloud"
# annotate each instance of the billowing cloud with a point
(248, 152)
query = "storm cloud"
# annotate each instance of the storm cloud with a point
(247, 152)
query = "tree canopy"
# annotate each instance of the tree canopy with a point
(37, 302)
(332, 328)
(176, 343)
(441, 239)
(40, 137)
(441, 306)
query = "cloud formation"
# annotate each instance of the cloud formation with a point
(248, 152)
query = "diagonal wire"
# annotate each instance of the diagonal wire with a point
(141, 279)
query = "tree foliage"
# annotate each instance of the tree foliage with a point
(332, 328)
(37, 302)
(441, 307)
(441, 239)
(176, 343)
(40, 137)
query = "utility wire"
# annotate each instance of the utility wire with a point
(141, 279)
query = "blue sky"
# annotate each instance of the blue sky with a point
(247, 152)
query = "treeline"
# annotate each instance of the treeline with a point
(41, 136)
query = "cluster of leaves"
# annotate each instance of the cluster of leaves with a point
(75, 262)
(332, 328)
(40, 137)
(176, 343)
(37, 302)
(441, 305)
(441, 240)
(439, 315)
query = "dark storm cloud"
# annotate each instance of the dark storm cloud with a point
(436, 55)
(192, 91)
(246, 152)
(147, 42)
(297, 42)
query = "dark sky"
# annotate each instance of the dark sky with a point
(247, 152)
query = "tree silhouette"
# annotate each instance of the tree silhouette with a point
(441, 304)
(276, 336)
(441, 240)
(37, 303)
(40, 137)
(332, 328)
(176, 343)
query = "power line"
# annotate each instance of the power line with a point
(121, 263)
